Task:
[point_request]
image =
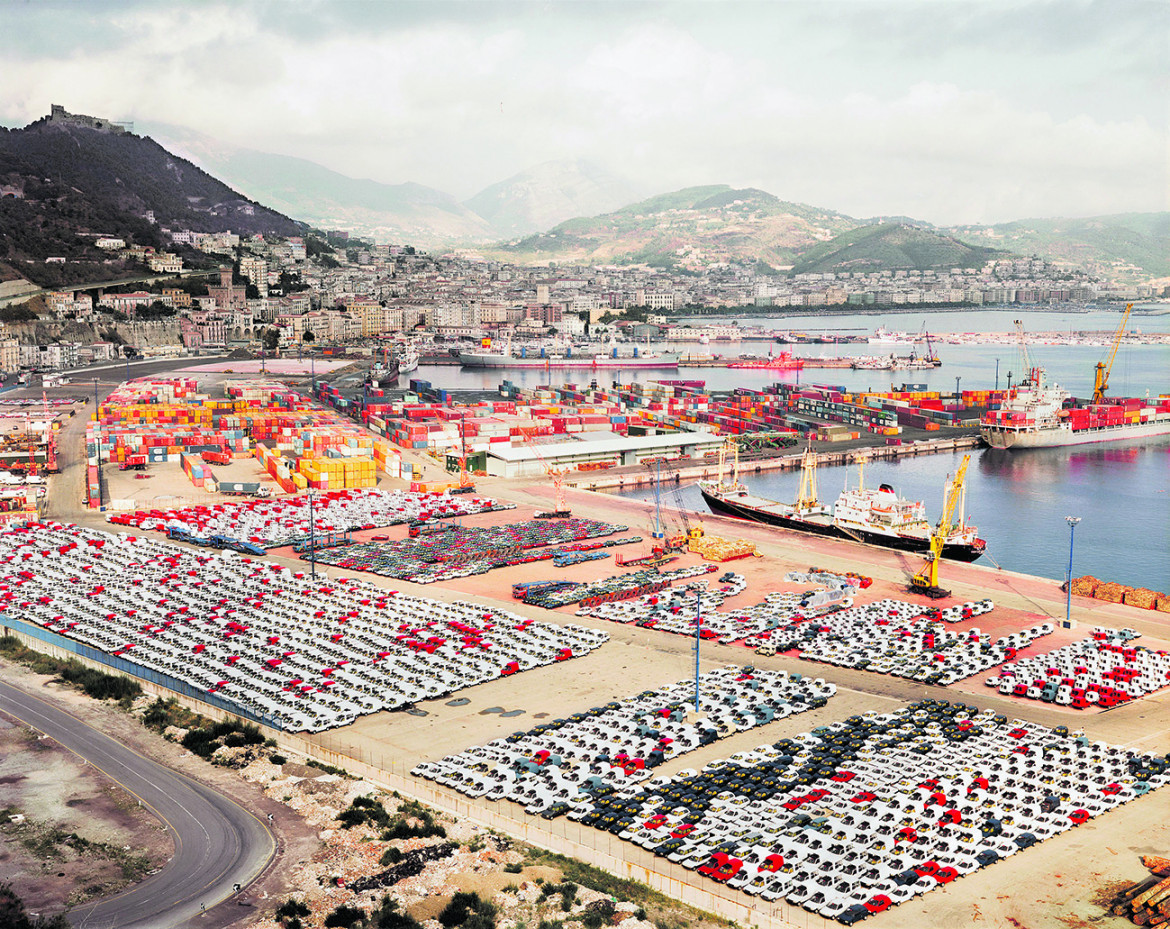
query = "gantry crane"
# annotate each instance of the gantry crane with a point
(1101, 377)
(926, 580)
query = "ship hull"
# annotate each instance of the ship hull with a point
(481, 360)
(1058, 438)
(726, 506)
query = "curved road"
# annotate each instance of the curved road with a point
(217, 842)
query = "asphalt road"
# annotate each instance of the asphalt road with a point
(217, 842)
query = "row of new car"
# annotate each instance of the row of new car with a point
(301, 653)
(284, 520)
(622, 742)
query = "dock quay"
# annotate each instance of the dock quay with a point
(633, 478)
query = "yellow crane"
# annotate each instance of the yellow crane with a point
(1101, 378)
(926, 580)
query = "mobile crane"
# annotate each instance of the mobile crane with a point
(926, 580)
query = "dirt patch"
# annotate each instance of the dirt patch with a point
(69, 833)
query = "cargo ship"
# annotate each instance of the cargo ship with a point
(876, 517)
(782, 362)
(545, 358)
(1037, 415)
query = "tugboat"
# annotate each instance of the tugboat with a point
(876, 517)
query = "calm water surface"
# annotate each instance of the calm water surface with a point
(1017, 499)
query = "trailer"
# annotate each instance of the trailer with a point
(220, 457)
(243, 489)
(133, 463)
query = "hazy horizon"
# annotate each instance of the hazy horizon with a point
(950, 112)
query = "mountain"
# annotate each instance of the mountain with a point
(407, 212)
(689, 229)
(65, 179)
(892, 247)
(550, 193)
(1105, 243)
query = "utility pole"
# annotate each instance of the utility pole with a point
(312, 540)
(1072, 529)
(97, 439)
(698, 638)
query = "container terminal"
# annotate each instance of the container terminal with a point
(828, 654)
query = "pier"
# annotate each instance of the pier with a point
(632, 479)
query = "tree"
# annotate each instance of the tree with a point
(308, 336)
(251, 291)
(271, 339)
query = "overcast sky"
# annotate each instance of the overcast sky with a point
(946, 111)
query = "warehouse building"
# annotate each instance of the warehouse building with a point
(525, 461)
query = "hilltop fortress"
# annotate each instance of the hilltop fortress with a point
(59, 115)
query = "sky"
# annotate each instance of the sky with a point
(946, 111)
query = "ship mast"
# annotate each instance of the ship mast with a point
(807, 496)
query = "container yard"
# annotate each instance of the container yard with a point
(258, 439)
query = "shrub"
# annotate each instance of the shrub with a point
(467, 910)
(290, 911)
(277, 759)
(391, 856)
(343, 917)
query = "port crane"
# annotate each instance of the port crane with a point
(926, 580)
(1101, 377)
(554, 474)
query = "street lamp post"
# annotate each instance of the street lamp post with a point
(957, 379)
(698, 639)
(997, 374)
(1072, 529)
(97, 439)
(312, 540)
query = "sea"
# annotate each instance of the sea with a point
(1019, 500)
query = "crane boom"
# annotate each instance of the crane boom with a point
(1101, 377)
(926, 580)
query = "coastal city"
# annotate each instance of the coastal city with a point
(603, 546)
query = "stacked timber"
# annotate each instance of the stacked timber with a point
(1141, 597)
(1147, 903)
(1085, 586)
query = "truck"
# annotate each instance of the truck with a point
(243, 488)
(220, 457)
(133, 463)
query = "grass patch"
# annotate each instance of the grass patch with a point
(96, 684)
(50, 843)
(602, 881)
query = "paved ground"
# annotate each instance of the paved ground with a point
(1049, 887)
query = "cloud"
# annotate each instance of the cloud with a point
(951, 112)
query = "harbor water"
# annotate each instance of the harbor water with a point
(1017, 499)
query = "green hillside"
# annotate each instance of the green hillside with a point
(1141, 239)
(891, 248)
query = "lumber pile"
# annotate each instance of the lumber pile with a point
(1085, 586)
(1141, 597)
(1147, 903)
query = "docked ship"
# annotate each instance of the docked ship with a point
(408, 359)
(782, 362)
(566, 358)
(876, 517)
(1039, 415)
